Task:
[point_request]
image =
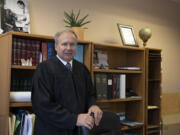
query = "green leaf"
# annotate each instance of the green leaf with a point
(82, 19)
(78, 15)
(73, 20)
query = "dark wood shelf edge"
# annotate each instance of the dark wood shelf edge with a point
(154, 131)
(124, 128)
(23, 67)
(20, 104)
(153, 126)
(120, 100)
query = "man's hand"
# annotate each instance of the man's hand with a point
(85, 120)
(97, 113)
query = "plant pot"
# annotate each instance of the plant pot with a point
(79, 32)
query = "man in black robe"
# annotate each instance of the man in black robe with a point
(63, 98)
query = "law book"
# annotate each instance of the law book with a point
(50, 50)
(109, 85)
(14, 51)
(29, 84)
(44, 51)
(98, 86)
(118, 87)
(101, 85)
(30, 51)
(104, 85)
(18, 49)
(79, 53)
(37, 51)
(9, 123)
(114, 86)
(13, 119)
(122, 85)
(13, 83)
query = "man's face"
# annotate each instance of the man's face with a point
(22, 6)
(66, 48)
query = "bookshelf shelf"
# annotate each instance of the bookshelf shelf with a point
(154, 80)
(154, 131)
(125, 128)
(20, 104)
(153, 126)
(120, 100)
(23, 67)
(117, 71)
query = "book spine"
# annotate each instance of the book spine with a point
(79, 53)
(14, 51)
(98, 86)
(18, 51)
(44, 51)
(109, 86)
(50, 50)
(104, 85)
(122, 85)
(114, 86)
(37, 50)
(33, 52)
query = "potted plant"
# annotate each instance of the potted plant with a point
(75, 22)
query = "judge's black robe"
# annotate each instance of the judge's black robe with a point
(59, 95)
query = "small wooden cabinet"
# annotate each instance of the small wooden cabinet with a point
(153, 91)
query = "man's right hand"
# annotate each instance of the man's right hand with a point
(85, 120)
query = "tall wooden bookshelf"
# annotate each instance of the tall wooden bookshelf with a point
(8, 70)
(121, 56)
(153, 91)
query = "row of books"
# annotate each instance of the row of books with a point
(31, 49)
(21, 123)
(21, 83)
(124, 121)
(38, 51)
(110, 86)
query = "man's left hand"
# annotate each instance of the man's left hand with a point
(97, 113)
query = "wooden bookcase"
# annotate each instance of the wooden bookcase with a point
(7, 70)
(153, 91)
(128, 57)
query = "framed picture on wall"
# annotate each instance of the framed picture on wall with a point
(127, 35)
(15, 16)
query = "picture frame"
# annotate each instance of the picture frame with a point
(127, 35)
(15, 16)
